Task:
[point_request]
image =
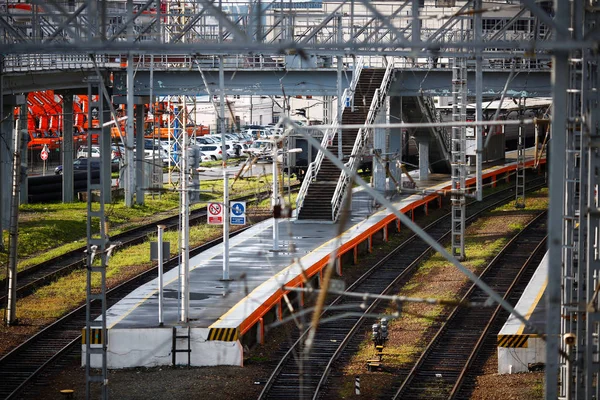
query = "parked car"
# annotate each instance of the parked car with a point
(213, 151)
(81, 164)
(257, 133)
(82, 152)
(202, 140)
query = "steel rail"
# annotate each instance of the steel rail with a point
(113, 295)
(540, 247)
(401, 392)
(400, 277)
(293, 348)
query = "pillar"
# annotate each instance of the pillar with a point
(67, 151)
(380, 150)
(395, 143)
(6, 151)
(24, 193)
(105, 150)
(140, 156)
(423, 143)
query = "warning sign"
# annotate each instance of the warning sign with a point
(238, 213)
(215, 214)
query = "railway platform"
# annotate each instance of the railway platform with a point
(225, 315)
(519, 348)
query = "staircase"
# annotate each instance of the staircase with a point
(316, 204)
(422, 109)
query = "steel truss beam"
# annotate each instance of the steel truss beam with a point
(93, 27)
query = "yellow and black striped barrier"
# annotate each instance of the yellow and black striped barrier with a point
(96, 336)
(223, 334)
(514, 341)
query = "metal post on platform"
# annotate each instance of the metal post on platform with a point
(225, 176)
(275, 200)
(161, 229)
(225, 225)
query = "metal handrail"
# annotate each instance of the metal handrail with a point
(314, 166)
(362, 137)
(428, 109)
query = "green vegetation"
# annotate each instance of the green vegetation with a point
(54, 300)
(49, 230)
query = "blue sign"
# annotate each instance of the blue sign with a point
(238, 213)
(238, 208)
(237, 220)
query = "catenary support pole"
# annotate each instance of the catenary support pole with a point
(129, 143)
(560, 75)
(185, 224)
(478, 106)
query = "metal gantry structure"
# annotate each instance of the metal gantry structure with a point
(55, 36)
(98, 254)
(458, 156)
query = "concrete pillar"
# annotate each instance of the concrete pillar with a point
(23, 113)
(395, 142)
(423, 143)
(139, 159)
(6, 151)
(67, 150)
(105, 150)
(380, 150)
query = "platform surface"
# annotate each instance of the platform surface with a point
(531, 305)
(251, 263)
(256, 271)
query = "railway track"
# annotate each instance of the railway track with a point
(32, 357)
(36, 276)
(305, 372)
(444, 364)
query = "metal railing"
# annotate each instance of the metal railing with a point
(313, 167)
(362, 137)
(440, 134)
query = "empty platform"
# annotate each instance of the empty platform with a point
(518, 346)
(225, 315)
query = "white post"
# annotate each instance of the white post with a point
(275, 200)
(161, 229)
(225, 225)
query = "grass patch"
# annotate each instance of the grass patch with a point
(49, 230)
(66, 293)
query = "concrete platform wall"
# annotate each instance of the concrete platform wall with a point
(152, 347)
(516, 359)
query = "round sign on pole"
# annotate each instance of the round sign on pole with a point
(215, 214)
(44, 155)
